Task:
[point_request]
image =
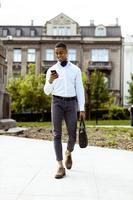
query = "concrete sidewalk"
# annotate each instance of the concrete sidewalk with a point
(27, 169)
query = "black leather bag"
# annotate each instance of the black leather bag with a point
(82, 136)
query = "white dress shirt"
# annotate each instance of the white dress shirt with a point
(68, 84)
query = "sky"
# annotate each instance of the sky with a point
(21, 12)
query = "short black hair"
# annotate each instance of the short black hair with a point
(62, 45)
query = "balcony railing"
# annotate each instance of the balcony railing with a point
(48, 63)
(16, 66)
(92, 65)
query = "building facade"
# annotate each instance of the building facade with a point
(128, 65)
(90, 47)
(4, 96)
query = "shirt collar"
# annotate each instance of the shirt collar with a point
(68, 62)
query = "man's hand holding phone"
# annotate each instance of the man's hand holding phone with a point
(53, 76)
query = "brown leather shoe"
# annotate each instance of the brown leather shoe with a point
(60, 173)
(68, 161)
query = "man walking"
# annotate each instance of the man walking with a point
(64, 82)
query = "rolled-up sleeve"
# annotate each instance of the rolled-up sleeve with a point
(48, 88)
(80, 91)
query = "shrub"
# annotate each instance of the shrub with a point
(32, 117)
(118, 112)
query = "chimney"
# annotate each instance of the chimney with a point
(117, 21)
(32, 22)
(91, 22)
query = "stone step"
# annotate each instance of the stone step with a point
(5, 124)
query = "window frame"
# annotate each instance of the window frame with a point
(100, 31)
(72, 54)
(17, 57)
(31, 56)
(18, 32)
(32, 32)
(49, 54)
(100, 55)
(5, 32)
(62, 30)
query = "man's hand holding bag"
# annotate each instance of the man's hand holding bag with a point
(82, 136)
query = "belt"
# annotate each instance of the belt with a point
(65, 98)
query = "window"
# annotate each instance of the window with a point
(101, 55)
(107, 81)
(6, 55)
(72, 54)
(18, 32)
(17, 55)
(31, 57)
(49, 54)
(67, 30)
(5, 32)
(55, 31)
(100, 31)
(32, 32)
(61, 30)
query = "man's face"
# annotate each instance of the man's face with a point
(61, 54)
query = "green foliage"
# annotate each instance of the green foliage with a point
(111, 99)
(118, 112)
(14, 90)
(27, 93)
(86, 85)
(85, 79)
(99, 92)
(130, 90)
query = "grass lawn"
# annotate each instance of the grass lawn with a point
(88, 122)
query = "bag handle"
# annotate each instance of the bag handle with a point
(82, 123)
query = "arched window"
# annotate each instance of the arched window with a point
(100, 31)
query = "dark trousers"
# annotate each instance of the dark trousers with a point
(67, 110)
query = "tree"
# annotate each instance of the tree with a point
(98, 90)
(14, 90)
(27, 93)
(130, 90)
(86, 83)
